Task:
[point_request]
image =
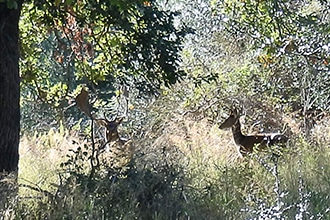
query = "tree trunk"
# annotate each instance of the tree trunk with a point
(9, 87)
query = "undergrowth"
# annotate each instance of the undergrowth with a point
(200, 176)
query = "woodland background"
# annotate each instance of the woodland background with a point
(174, 69)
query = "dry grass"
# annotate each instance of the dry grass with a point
(321, 131)
(42, 154)
(215, 182)
(40, 159)
(199, 137)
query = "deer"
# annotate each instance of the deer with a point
(249, 143)
(118, 145)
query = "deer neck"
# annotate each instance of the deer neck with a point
(237, 133)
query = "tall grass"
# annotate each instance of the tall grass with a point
(190, 171)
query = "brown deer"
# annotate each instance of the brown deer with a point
(111, 129)
(248, 143)
(117, 145)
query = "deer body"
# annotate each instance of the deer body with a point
(117, 146)
(247, 143)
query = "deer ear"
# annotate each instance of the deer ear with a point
(234, 112)
(119, 120)
(82, 102)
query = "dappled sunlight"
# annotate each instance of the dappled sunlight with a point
(122, 102)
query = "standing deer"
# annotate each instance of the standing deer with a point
(247, 143)
(118, 146)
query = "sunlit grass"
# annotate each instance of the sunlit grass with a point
(40, 159)
(201, 173)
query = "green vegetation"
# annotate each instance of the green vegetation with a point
(173, 71)
(184, 169)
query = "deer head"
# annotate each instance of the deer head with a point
(231, 120)
(111, 128)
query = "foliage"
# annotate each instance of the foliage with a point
(136, 41)
(103, 45)
(292, 40)
(11, 4)
(268, 57)
(131, 40)
(283, 44)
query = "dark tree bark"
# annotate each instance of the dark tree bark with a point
(9, 87)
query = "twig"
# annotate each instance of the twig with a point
(38, 189)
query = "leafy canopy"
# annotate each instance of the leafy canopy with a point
(66, 43)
